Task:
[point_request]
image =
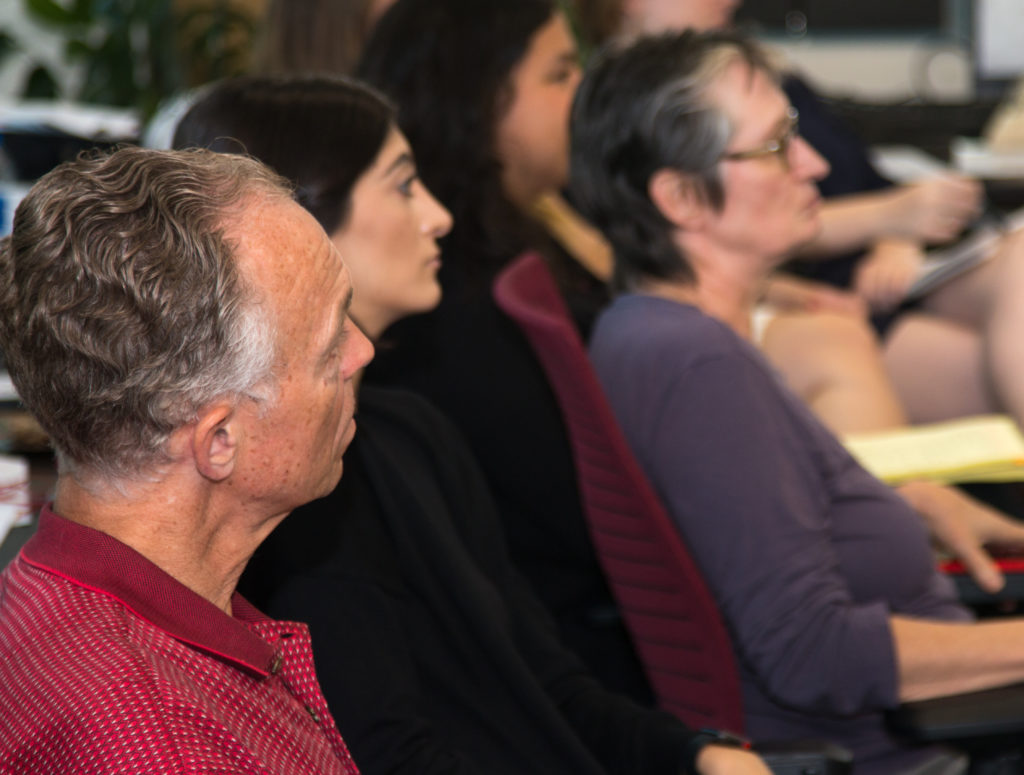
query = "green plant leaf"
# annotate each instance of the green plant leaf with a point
(77, 49)
(50, 12)
(8, 46)
(135, 53)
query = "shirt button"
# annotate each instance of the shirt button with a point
(314, 714)
(275, 663)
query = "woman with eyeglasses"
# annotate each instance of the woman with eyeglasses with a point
(951, 352)
(685, 153)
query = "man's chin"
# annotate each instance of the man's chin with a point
(331, 482)
(350, 433)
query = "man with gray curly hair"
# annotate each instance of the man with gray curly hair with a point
(178, 325)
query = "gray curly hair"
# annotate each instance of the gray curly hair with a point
(122, 309)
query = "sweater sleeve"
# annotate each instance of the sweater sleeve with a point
(728, 455)
(368, 676)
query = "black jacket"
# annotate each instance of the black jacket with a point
(434, 655)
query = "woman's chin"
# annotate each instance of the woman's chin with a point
(807, 234)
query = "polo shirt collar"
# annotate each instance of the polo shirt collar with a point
(97, 561)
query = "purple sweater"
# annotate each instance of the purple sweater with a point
(806, 553)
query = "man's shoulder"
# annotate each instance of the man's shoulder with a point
(35, 602)
(71, 643)
(68, 664)
(93, 682)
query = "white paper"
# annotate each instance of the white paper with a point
(81, 120)
(906, 164)
(15, 506)
(7, 391)
(972, 156)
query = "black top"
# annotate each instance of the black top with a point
(433, 654)
(472, 362)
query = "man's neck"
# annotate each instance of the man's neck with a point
(176, 524)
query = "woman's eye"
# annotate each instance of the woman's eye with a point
(563, 73)
(405, 187)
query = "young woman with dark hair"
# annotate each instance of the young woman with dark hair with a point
(484, 89)
(433, 654)
(316, 36)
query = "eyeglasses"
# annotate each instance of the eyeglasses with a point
(777, 146)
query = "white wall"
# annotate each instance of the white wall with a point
(40, 46)
(884, 70)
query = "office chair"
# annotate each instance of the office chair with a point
(676, 628)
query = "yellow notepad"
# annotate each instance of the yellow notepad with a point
(985, 448)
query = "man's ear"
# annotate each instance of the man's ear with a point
(677, 198)
(215, 439)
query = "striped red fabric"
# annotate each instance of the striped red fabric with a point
(108, 665)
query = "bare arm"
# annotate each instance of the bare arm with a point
(941, 658)
(718, 760)
(933, 210)
(887, 271)
(936, 659)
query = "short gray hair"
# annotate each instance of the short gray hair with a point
(122, 309)
(640, 109)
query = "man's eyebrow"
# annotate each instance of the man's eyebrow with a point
(339, 333)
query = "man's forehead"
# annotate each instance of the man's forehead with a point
(280, 243)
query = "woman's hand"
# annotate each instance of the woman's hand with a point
(886, 273)
(964, 527)
(722, 760)
(936, 209)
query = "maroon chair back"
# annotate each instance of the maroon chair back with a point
(672, 617)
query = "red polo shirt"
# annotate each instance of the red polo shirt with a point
(109, 665)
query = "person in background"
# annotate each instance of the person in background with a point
(295, 37)
(963, 336)
(483, 89)
(433, 654)
(685, 153)
(316, 36)
(836, 362)
(179, 327)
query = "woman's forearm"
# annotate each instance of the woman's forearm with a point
(851, 223)
(930, 211)
(935, 659)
